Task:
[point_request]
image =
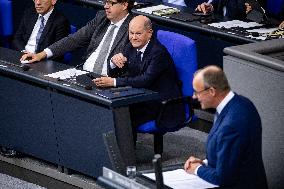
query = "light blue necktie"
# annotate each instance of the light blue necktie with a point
(215, 117)
(41, 27)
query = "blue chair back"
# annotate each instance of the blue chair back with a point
(183, 52)
(274, 7)
(6, 26)
(68, 55)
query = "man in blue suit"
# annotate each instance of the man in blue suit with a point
(145, 63)
(233, 150)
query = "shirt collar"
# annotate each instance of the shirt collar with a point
(46, 16)
(119, 23)
(224, 102)
(144, 48)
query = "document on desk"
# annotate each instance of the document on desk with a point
(66, 74)
(159, 10)
(179, 179)
(235, 23)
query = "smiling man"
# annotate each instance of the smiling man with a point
(145, 63)
(40, 26)
(103, 36)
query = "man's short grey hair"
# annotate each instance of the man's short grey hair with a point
(215, 77)
(147, 24)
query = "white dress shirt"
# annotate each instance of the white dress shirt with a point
(31, 44)
(89, 64)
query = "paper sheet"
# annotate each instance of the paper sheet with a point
(66, 74)
(235, 23)
(179, 179)
(149, 10)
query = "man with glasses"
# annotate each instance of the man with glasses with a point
(233, 150)
(103, 36)
(40, 26)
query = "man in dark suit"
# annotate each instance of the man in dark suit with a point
(33, 35)
(103, 36)
(40, 26)
(235, 9)
(145, 63)
(233, 151)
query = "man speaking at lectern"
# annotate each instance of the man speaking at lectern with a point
(233, 149)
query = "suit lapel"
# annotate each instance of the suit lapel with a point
(98, 36)
(32, 22)
(221, 117)
(146, 53)
(47, 26)
(121, 32)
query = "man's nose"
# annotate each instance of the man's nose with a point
(37, 1)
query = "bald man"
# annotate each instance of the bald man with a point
(145, 63)
(233, 151)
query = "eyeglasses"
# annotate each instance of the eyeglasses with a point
(110, 3)
(195, 93)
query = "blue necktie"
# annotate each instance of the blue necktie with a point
(41, 27)
(215, 117)
(138, 57)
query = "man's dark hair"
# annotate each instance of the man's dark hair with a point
(130, 3)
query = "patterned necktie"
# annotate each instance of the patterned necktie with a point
(41, 27)
(104, 51)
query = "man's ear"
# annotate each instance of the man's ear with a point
(212, 91)
(125, 6)
(53, 2)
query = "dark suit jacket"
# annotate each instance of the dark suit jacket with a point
(91, 35)
(235, 8)
(157, 73)
(234, 147)
(55, 29)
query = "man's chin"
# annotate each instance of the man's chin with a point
(135, 45)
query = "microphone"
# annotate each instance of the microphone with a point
(26, 67)
(157, 163)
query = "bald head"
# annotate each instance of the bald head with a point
(211, 86)
(213, 76)
(140, 31)
(141, 21)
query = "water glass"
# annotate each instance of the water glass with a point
(131, 172)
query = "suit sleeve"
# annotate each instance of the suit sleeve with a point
(62, 29)
(77, 40)
(157, 65)
(228, 155)
(18, 42)
(117, 72)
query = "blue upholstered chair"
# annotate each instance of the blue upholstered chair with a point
(274, 7)
(183, 51)
(6, 24)
(68, 55)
